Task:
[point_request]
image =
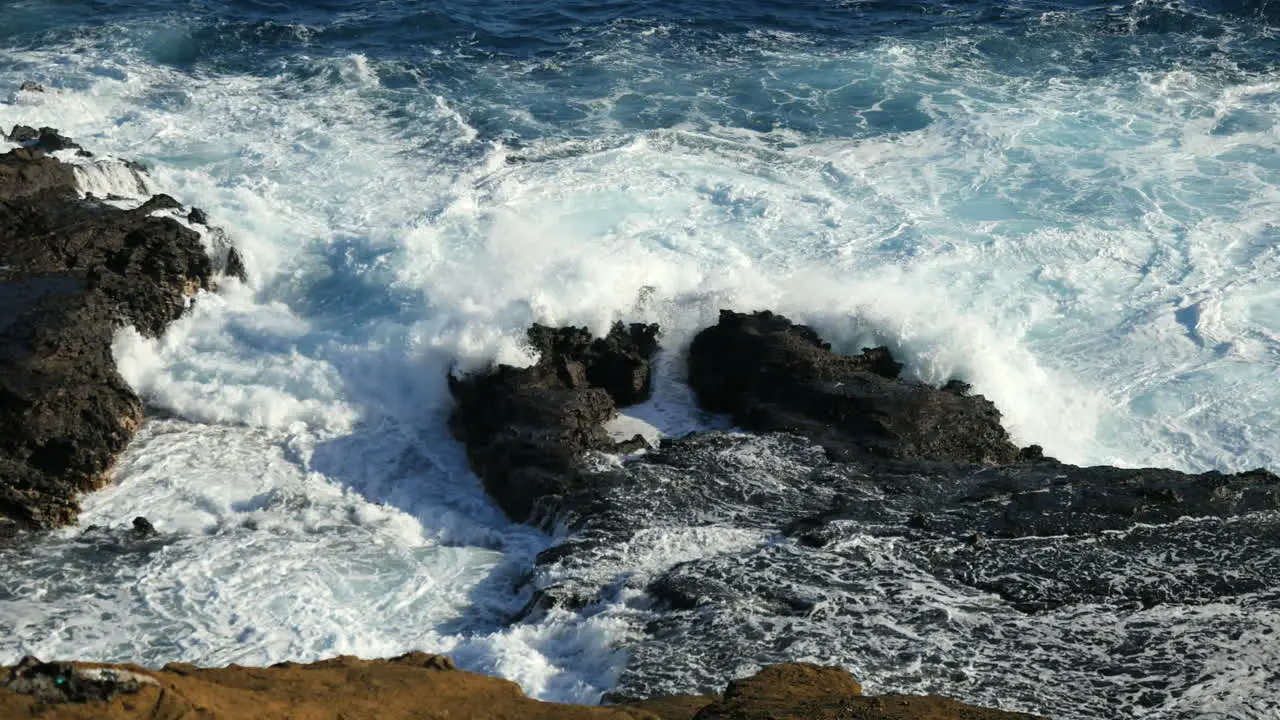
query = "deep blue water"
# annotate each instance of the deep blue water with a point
(676, 49)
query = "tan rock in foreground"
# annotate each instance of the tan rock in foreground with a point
(418, 686)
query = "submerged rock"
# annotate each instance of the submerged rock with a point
(142, 528)
(773, 375)
(72, 271)
(418, 685)
(526, 429)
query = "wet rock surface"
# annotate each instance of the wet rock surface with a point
(418, 685)
(72, 271)
(929, 559)
(760, 549)
(773, 375)
(527, 429)
(143, 528)
(46, 139)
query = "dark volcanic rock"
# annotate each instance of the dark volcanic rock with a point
(1032, 499)
(159, 201)
(30, 86)
(71, 272)
(142, 527)
(774, 375)
(25, 174)
(46, 138)
(51, 140)
(23, 134)
(894, 527)
(234, 266)
(65, 413)
(841, 546)
(525, 429)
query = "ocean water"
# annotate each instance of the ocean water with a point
(1073, 206)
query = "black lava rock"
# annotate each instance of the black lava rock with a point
(773, 375)
(23, 134)
(142, 527)
(234, 266)
(71, 272)
(526, 429)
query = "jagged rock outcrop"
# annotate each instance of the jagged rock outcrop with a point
(773, 375)
(525, 429)
(46, 138)
(418, 685)
(72, 271)
(1028, 530)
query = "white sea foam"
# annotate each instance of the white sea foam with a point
(107, 178)
(1096, 255)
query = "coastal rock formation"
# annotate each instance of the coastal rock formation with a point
(418, 685)
(46, 138)
(796, 543)
(773, 375)
(857, 497)
(72, 271)
(1045, 498)
(525, 429)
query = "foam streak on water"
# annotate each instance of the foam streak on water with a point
(1074, 208)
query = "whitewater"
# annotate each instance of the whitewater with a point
(1073, 207)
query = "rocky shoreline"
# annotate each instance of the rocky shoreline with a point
(846, 442)
(418, 685)
(530, 432)
(839, 449)
(73, 269)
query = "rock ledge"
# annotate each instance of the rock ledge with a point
(418, 685)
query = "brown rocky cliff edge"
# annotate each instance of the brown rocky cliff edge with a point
(419, 686)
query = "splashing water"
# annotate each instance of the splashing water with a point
(1074, 208)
